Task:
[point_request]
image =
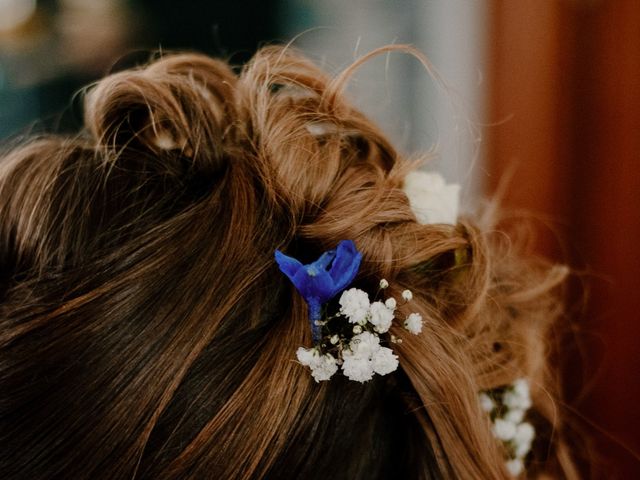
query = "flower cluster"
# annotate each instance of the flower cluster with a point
(353, 337)
(507, 408)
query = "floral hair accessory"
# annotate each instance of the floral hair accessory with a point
(353, 334)
(320, 281)
(507, 407)
(432, 199)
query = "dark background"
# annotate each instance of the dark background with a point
(40, 79)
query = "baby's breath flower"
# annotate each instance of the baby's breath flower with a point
(413, 323)
(357, 368)
(514, 415)
(383, 284)
(391, 303)
(524, 433)
(335, 339)
(306, 356)
(517, 399)
(407, 295)
(366, 357)
(521, 388)
(504, 430)
(384, 361)
(354, 304)
(517, 436)
(322, 366)
(364, 344)
(515, 466)
(522, 449)
(381, 317)
(486, 403)
(357, 329)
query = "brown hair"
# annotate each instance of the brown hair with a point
(146, 331)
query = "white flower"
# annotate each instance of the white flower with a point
(518, 397)
(307, 356)
(524, 433)
(391, 303)
(516, 435)
(514, 415)
(504, 430)
(366, 357)
(513, 401)
(357, 329)
(521, 388)
(322, 366)
(413, 323)
(384, 361)
(522, 449)
(486, 403)
(407, 295)
(354, 304)
(383, 284)
(515, 467)
(365, 345)
(431, 198)
(357, 368)
(381, 317)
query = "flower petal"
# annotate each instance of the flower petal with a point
(325, 259)
(345, 266)
(288, 265)
(317, 285)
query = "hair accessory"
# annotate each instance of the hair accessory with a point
(349, 335)
(432, 199)
(320, 281)
(507, 407)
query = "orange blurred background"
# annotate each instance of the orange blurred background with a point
(567, 74)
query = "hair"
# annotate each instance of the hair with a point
(145, 330)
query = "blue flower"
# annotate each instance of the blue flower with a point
(320, 281)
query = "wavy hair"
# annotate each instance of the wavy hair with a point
(146, 332)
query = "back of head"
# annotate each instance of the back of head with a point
(146, 331)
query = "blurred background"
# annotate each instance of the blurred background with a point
(544, 91)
